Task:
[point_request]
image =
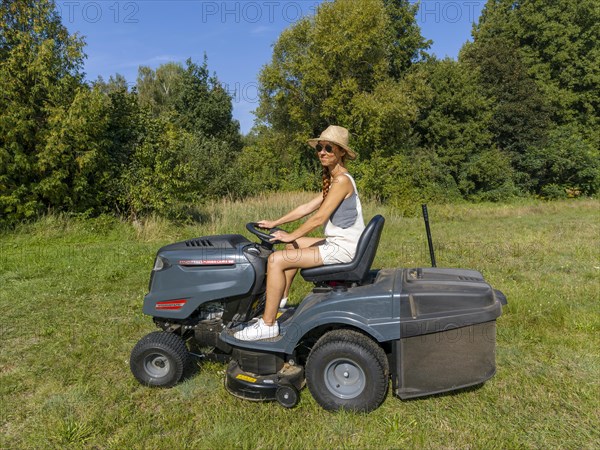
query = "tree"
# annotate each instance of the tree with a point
(73, 160)
(158, 90)
(569, 165)
(123, 133)
(189, 144)
(158, 175)
(455, 118)
(559, 44)
(538, 61)
(40, 72)
(407, 45)
(406, 180)
(521, 113)
(454, 122)
(320, 63)
(382, 120)
(69, 146)
(339, 67)
(204, 106)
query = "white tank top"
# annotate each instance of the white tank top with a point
(347, 238)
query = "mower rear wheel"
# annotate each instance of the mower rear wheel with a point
(347, 370)
(159, 359)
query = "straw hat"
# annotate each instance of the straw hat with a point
(336, 135)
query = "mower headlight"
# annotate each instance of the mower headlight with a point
(159, 264)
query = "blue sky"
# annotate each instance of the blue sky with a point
(237, 36)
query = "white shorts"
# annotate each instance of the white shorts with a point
(332, 253)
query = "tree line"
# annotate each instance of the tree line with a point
(516, 113)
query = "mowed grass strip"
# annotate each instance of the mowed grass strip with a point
(71, 294)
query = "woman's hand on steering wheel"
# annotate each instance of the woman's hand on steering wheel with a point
(266, 224)
(266, 238)
(281, 236)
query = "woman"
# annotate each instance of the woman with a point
(338, 206)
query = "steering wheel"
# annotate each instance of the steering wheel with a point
(265, 238)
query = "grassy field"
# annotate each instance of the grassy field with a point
(71, 294)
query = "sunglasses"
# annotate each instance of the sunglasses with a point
(328, 148)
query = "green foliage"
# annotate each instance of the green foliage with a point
(75, 152)
(39, 77)
(383, 119)
(189, 153)
(438, 144)
(407, 45)
(203, 106)
(559, 44)
(516, 114)
(194, 100)
(521, 118)
(87, 148)
(174, 167)
(568, 166)
(404, 181)
(269, 162)
(212, 169)
(538, 61)
(454, 118)
(159, 89)
(315, 73)
(488, 175)
(68, 146)
(157, 175)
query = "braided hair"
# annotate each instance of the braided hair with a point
(327, 178)
(326, 182)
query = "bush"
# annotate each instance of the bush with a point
(488, 176)
(404, 181)
(570, 161)
(553, 191)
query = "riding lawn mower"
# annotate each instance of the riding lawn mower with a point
(429, 330)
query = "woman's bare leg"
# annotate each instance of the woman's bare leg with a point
(279, 263)
(303, 242)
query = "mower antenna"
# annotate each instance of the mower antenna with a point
(428, 231)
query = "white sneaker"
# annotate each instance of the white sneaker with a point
(283, 302)
(258, 331)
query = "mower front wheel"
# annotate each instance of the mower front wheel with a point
(159, 359)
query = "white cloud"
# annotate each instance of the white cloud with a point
(260, 30)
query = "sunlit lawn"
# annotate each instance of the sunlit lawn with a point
(71, 293)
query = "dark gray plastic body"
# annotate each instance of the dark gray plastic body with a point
(204, 270)
(438, 323)
(447, 332)
(397, 304)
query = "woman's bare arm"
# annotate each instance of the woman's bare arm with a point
(297, 213)
(341, 187)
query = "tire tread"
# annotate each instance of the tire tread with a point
(344, 337)
(163, 341)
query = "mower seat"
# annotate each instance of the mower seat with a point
(356, 270)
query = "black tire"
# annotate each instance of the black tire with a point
(347, 370)
(159, 359)
(287, 395)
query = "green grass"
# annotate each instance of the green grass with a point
(71, 294)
